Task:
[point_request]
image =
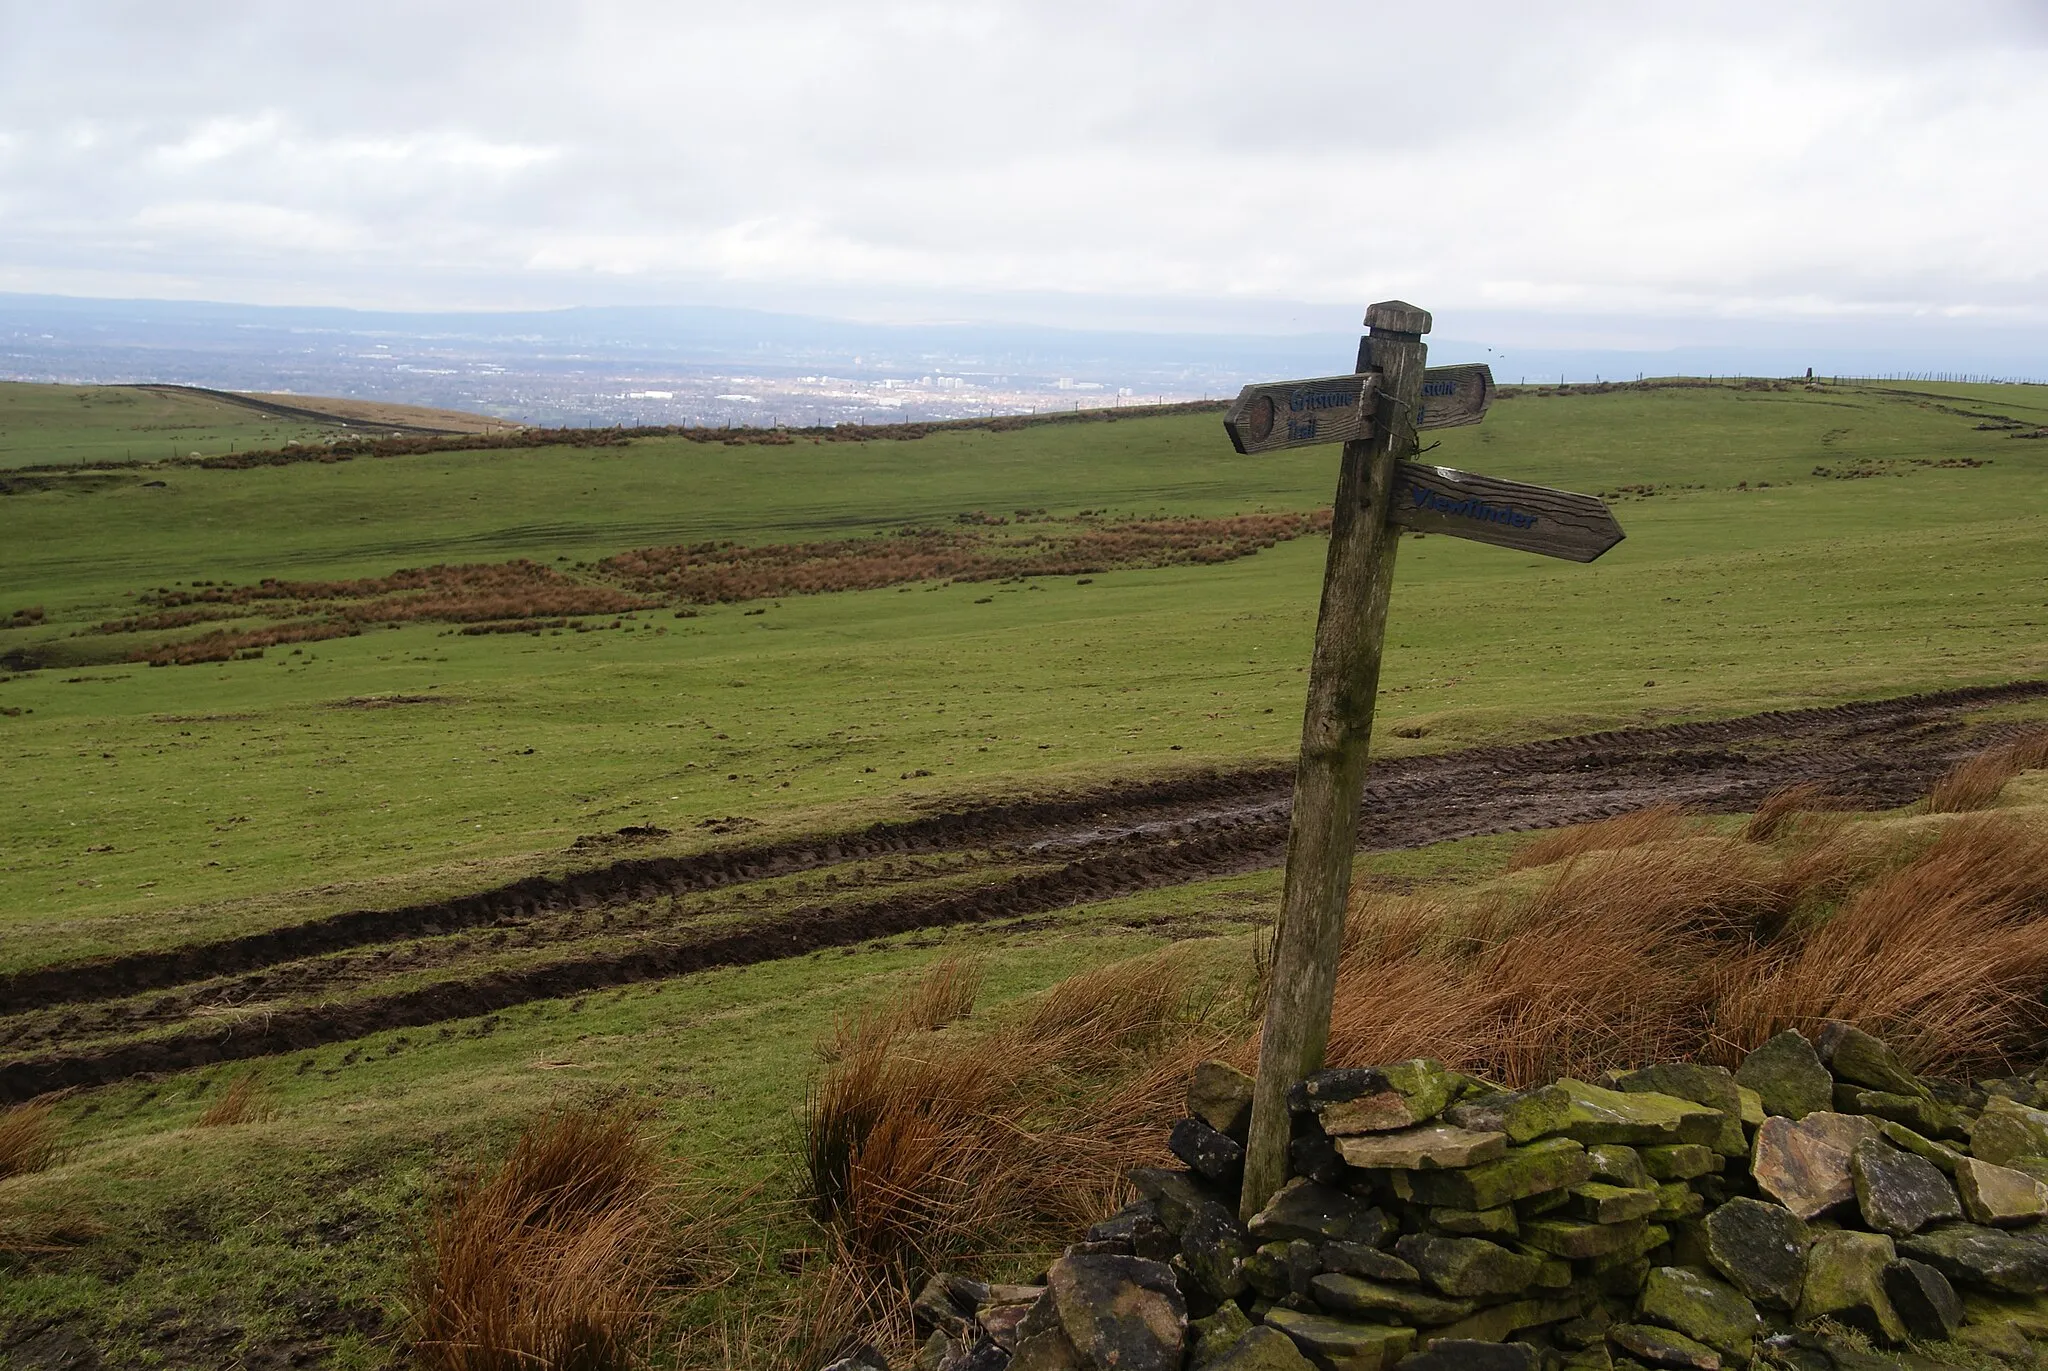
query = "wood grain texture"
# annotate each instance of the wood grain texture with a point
(1397, 316)
(1455, 395)
(1274, 415)
(1486, 509)
(1336, 727)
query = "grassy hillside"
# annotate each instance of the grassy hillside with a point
(1784, 547)
(48, 424)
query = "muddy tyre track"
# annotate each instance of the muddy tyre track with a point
(1880, 754)
(1178, 806)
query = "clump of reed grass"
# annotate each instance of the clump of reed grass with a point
(549, 1259)
(914, 1146)
(28, 1138)
(1784, 804)
(241, 1102)
(1656, 824)
(945, 994)
(1977, 781)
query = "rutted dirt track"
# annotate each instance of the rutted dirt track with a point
(64, 1026)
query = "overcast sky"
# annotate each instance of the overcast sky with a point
(1268, 166)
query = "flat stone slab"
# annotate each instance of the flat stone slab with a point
(1124, 1312)
(1380, 1302)
(1703, 1309)
(1221, 1096)
(1468, 1266)
(1805, 1165)
(1655, 1346)
(1552, 1164)
(1983, 1257)
(1578, 1240)
(1999, 1196)
(1433, 1147)
(1636, 1118)
(1334, 1344)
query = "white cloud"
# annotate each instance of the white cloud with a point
(1756, 161)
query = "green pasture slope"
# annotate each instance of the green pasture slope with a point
(43, 425)
(147, 806)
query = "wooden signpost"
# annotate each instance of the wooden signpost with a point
(1379, 493)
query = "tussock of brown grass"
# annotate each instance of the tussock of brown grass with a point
(28, 1139)
(1784, 804)
(1945, 957)
(1598, 967)
(916, 1146)
(1976, 781)
(240, 1103)
(1658, 823)
(547, 1260)
(943, 995)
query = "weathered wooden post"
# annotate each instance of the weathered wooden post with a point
(1375, 413)
(1343, 681)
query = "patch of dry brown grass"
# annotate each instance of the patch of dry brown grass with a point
(1656, 824)
(241, 1102)
(28, 1138)
(943, 995)
(916, 1145)
(1977, 781)
(549, 1259)
(1784, 804)
(1597, 967)
(1944, 956)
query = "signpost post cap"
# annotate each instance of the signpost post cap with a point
(1397, 316)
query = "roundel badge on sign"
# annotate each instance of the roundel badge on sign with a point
(1260, 418)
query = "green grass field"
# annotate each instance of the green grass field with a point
(45, 425)
(152, 805)
(1785, 547)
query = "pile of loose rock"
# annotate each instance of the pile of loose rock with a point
(1821, 1207)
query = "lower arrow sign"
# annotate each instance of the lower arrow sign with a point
(1486, 509)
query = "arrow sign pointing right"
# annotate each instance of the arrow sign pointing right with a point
(1486, 509)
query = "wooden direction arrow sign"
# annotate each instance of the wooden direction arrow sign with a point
(1376, 412)
(1284, 414)
(1454, 395)
(1486, 509)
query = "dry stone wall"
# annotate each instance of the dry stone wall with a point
(1821, 1208)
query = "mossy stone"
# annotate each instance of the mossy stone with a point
(1845, 1282)
(2007, 1129)
(1379, 1302)
(1552, 1164)
(1640, 1118)
(1656, 1346)
(1467, 1266)
(1211, 1337)
(1680, 1161)
(1334, 1344)
(1897, 1192)
(1760, 1249)
(1260, 1349)
(1855, 1056)
(1787, 1075)
(1702, 1308)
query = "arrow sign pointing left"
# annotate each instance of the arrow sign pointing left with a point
(1486, 509)
(1284, 414)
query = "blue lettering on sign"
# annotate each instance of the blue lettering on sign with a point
(1301, 429)
(1321, 399)
(1439, 503)
(1439, 387)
